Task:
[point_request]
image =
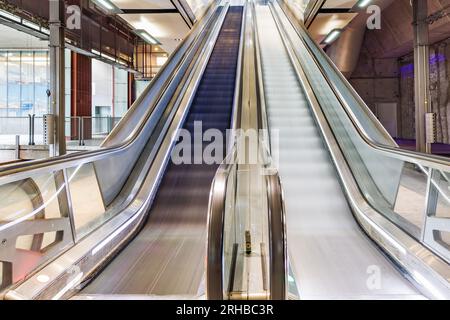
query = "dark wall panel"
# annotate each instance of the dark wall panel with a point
(81, 93)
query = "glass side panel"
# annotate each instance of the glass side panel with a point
(442, 184)
(246, 233)
(34, 224)
(411, 197)
(87, 202)
(386, 182)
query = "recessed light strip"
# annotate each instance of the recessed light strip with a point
(146, 36)
(363, 3)
(332, 36)
(108, 6)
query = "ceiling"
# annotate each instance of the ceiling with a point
(167, 27)
(333, 14)
(395, 38)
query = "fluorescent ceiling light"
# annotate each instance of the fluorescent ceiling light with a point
(31, 25)
(108, 6)
(360, 5)
(10, 16)
(108, 57)
(332, 36)
(146, 36)
(363, 3)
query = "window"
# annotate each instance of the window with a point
(120, 92)
(41, 81)
(27, 84)
(3, 84)
(14, 84)
(24, 80)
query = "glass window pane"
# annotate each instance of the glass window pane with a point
(27, 83)
(102, 87)
(3, 84)
(42, 81)
(13, 84)
(120, 92)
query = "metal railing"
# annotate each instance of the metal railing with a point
(31, 129)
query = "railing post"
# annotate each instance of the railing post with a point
(111, 123)
(17, 149)
(79, 131)
(29, 129)
(64, 199)
(82, 131)
(431, 200)
(33, 118)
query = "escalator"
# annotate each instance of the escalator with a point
(334, 248)
(166, 257)
(127, 222)
(128, 207)
(320, 225)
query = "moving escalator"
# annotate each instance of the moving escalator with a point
(340, 246)
(329, 253)
(128, 222)
(166, 257)
(128, 205)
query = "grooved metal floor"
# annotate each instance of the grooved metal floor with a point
(331, 257)
(168, 256)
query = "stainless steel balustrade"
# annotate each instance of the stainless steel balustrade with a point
(227, 224)
(228, 217)
(93, 202)
(430, 166)
(374, 173)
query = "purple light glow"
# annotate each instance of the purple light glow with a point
(407, 70)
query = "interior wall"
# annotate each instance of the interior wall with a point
(391, 80)
(377, 82)
(102, 87)
(439, 91)
(385, 70)
(81, 93)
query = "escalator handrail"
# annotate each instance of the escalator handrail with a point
(277, 238)
(217, 206)
(70, 160)
(277, 214)
(217, 196)
(216, 226)
(263, 122)
(427, 160)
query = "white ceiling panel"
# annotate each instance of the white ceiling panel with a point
(166, 28)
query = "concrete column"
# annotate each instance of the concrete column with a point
(421, 73)
(57, 75)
